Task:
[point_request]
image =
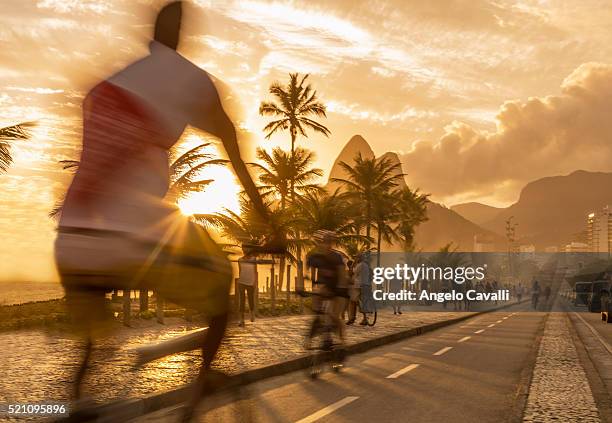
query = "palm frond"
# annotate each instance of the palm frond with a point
(12, 133)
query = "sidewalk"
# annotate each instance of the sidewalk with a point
(559, 389)
(47, 360)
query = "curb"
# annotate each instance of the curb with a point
(129, 409)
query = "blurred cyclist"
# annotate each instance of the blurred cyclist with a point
(116, 231)
(330, 287)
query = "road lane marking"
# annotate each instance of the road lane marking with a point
(499, 321)
(327, 410)
(465, 338)
(491, 325)
(402, 371)
(505, 318)
(480, 331)
(443, 350)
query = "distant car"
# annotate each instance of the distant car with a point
(606, 306)
(583, 292)
(597, 288)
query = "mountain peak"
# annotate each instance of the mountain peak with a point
(476, 212)
(394, 159)
(356, 145)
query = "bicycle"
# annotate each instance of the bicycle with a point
(320, 339)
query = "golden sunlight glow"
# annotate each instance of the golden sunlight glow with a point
(221, 194)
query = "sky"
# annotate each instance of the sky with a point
(478, 97)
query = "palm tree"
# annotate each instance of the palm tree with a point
(185, 171)
(355, 246)
(280, 169)
(367, 182)
(412, 212)
(385, 211)
(11, 133)
(71, 165)
(448, 256)
(276, 176)
(320, 210)
(248, 228)
(297, 104)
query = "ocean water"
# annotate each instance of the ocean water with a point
(25, 292)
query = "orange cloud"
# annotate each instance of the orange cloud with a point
(539, 137)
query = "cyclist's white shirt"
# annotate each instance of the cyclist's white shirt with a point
(148, 104)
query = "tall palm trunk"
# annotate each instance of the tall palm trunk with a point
(293, 138)
(281, 273)
(273, 287)
(368, 222)
(378, 245)
(300, 263)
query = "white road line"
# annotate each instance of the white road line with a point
(327, 410)
(443, 350)
(499, 321)
(480, 331)
(599, 338)
(491, 325)
(402, 371)
(465, 338)
(505, 318)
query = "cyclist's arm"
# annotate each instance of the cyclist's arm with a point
(213, 119)
(224, 129)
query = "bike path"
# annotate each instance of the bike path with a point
(467, 372)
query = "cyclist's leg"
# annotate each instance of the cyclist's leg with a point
(89, 316)
(337, 305)
(214, 336)
(210, 346)
(318, 306)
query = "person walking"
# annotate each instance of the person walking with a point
(519, 292)
(547, 292)
(535, 294)
(396, 286)
(363, 279)
(354, 293)
(349, 283)
(495, 288)
(247, 275)
(468, 287)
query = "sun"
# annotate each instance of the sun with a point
(221, 194)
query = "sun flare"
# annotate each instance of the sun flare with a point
(221, 194)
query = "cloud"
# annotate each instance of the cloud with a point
(539, 137)
(36, 90)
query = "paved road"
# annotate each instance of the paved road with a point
(468, 372)
(37, 365)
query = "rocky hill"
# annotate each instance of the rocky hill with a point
(444, 225)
